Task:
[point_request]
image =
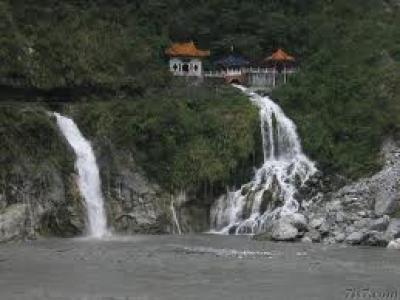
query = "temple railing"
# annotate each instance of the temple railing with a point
(214, 74)
(246, 71)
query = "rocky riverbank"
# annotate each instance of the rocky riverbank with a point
(366, 212)
(40, 197)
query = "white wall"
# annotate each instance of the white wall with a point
(192, 65)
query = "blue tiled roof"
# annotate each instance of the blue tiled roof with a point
(232, 60)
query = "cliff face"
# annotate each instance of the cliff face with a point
(133, 204)
(35, 202)
(39, 201)
(137, 205)
(41, 197)
(38, 191)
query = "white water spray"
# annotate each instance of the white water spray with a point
(271, 193)
(89, 179)
(175, 218)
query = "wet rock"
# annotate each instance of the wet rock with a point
(387, 195)
(380, 224)
(393, 229)
(133, 204)
(246, 189)
(313, 235)
(250, 197)
(395, 244)
(232, 229)
(50, 196)
(297, 220)
(356, 238)
(325, 228)
(329, 240)
(363, 223)
(306, 239)
(375, 238)
(349, 229)
(339, 237)
(266, 201)
(316, 223)
(283, 230)
(340, 217)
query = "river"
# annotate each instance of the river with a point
(193, 267)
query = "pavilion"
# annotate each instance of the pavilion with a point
(281, 63)
(234, 68)
(186, 59)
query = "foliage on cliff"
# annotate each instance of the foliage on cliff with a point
(191, 138)
(119, 44)
(29, 136)
(344, 100)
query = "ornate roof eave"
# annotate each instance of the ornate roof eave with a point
(232, 61)
(280, 56)
(187, 49)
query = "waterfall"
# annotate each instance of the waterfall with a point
(89, 179)
(271, 193)
(175, 218)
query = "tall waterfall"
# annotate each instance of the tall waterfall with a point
(272, 191)
(89, 179)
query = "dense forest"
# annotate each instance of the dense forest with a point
(345, 99)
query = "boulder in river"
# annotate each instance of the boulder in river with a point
(356, 238)
(283, 230)
(395, 244)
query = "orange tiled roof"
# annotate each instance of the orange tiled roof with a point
(186, 49)
(280, 55)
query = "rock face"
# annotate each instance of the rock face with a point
(132, 203)
(12, 222)
(44, 199)
(39, 201)
(361, 213)
(393, 229)
(283, 230)
(289, 227)
(135, 205)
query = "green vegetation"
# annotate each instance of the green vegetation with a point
(344, 100)
(30, 151)
(29, 136)
(193, 138)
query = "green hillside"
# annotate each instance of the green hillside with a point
(344, 100)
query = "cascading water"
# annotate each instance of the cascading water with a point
(89, 179)
(271, 193)
(175, 219)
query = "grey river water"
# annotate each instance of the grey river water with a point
(194, 267)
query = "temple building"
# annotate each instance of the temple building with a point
(282, 63)
(272, 71)
(233, 66)
(185, 59)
